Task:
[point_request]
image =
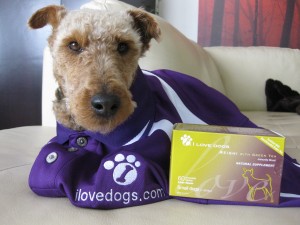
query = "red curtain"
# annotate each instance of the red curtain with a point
(249, 23)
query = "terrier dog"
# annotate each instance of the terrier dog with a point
(95, 60)
(114, 121)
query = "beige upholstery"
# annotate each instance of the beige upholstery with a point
(244, 72)
(238, 72)
(20, 206)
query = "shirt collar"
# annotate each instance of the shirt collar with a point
(143, 114)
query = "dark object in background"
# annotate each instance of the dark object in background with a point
(281, 98)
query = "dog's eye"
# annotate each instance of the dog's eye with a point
(123, 48)
(74, 46)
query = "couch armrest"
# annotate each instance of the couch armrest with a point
(244, 71)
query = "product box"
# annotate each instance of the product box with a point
(226, 163)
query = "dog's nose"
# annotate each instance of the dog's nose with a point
(105, 105)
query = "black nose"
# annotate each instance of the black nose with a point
(105, 105)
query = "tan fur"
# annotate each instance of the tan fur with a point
(98, 67)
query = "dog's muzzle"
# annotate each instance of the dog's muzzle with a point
(105, 105)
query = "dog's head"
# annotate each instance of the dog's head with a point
(247, 173)
(95, 57)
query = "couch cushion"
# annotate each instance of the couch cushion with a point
(244, 71)
(287, 124)
(176, 52)
(19, 147)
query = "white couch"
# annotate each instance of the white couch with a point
(240, 73)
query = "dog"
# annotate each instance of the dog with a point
(114, 120)
(258, 184)
(94, 63)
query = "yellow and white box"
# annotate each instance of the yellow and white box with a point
(226, 163)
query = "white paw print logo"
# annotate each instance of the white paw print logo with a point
(125, 171)
(186, 140)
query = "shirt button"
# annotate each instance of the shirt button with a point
(82, 141)
(51, 157)
(72, 149)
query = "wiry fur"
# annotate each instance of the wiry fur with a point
(99, 67)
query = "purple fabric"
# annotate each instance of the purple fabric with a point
(130, 166)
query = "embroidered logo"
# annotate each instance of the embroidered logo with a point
(124, 169)
(186, 140)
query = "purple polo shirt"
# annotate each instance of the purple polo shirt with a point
(130, 165)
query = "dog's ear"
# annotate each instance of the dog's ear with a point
(51, 14)
(146, 25)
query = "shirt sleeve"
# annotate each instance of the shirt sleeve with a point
(205, 102)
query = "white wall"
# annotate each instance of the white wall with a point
(182, 14)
